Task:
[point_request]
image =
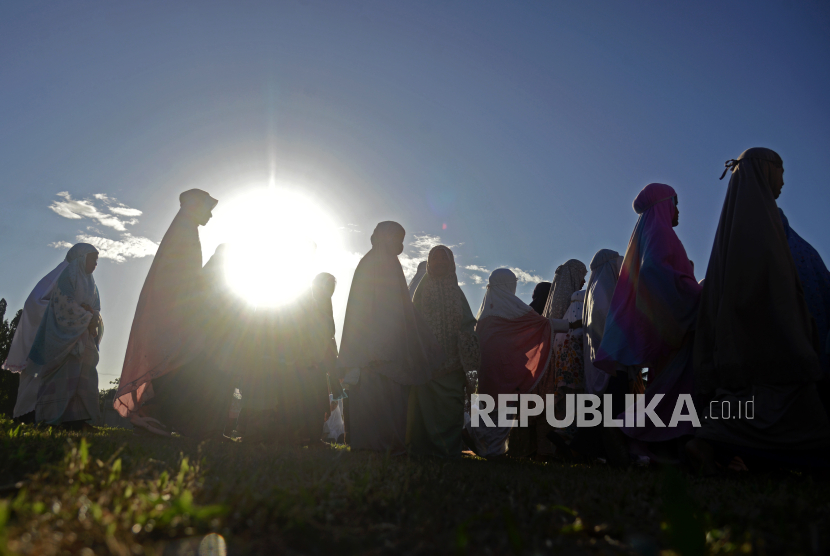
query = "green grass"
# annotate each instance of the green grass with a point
(113, 492)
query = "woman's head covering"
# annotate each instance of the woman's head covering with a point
(382, 331)
(567, 279)
(437, 251)
(193, 198)
(77, 254)
(815, 280)
(754, 325)
(389, 236)
(540, 296)
(33, 310)
(757, 156)
(324, 284)
(500, 298)
(419, 275)
(322, 288)
(444, 307)
(603, 257)
(655, 300)
(82, 281)
(79, 250)
(605, 271)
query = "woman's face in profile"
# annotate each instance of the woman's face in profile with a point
(392, 247)
(776, 175)
(91, 262)
(675, 220)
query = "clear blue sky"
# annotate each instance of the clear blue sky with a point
(527, 128)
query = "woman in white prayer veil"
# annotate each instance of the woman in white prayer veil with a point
(33, 311)
(64, 354)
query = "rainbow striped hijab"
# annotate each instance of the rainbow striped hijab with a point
(655, 302)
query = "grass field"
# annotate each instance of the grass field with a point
(112, 492)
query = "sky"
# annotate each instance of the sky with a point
(517, 132)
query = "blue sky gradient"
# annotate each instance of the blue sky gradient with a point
(526, 129)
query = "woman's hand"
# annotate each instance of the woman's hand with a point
(87, 308)
(576, 324)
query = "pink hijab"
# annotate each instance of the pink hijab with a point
(165, 334)
(656, 298)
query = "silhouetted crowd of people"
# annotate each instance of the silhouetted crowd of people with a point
(755, 330)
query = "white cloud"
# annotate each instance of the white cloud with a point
(128, 247)
(124, 210)
(526, 277)
(409, 264)
(76, 209)
(117, 207)
(424, 243)
(118, 250)
(477, 279)
(477, 268)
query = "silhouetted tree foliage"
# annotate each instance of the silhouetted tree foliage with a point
(106, 397)
(8, 381)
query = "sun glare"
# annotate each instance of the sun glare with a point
(278, 240)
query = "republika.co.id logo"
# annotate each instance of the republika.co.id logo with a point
(585, 410)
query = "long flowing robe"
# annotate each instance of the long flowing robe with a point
(436, 409)
(387, 342)
(286, 354)
(756, 339)
(605, 271)
(166, 333)
(323, 327)
(652, 316)
(225, 312)
(815, 281)
(567, 349)
(565, 376)
(307, 336)
(33, 310)
(195, 398)
(515, 351)
(64, 355)
(523, 440)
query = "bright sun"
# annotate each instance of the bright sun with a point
(278, 241)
